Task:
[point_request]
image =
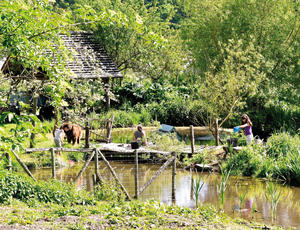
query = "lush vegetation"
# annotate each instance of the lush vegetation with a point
(278, 158)
(184, 62)
(40, 204)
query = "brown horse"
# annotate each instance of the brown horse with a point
(73, 132)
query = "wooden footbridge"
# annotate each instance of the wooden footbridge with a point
(99, 151)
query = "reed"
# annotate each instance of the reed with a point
(222, 186)
(273, 195)
(198, 185)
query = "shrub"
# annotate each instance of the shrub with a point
(246, 162)
(282, 144)
(26, 190)
(109, 191)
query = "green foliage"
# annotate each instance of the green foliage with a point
(197, 187)
(109, 191)
(273, 195)
(222, 186)
(282, 145)
(246, 162)
(279, 158)
(26, 190)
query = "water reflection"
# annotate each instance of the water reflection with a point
(254, 207)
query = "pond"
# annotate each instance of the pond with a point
(288, 209)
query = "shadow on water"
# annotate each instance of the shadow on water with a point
(254, 205)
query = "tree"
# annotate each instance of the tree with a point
(232, 77)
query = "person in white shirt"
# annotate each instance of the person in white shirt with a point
(58, 137)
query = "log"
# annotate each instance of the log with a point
(162, 168)
(114, 174)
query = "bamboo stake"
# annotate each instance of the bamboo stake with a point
(136, 175)
(114, 174)
(84, 167)
(162, 168)
(53, 163)
(23, 165)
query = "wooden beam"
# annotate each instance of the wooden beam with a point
(162, 168)
(84, 166)
(84, 150)
(23, 165)
(114, 174)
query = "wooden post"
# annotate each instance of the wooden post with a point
(94, 180)
(136, 175)
(192, 139)
(174, 177)
(87, 135)
(9, 166)
(114, 175)
(53, 163)
(96, 159)
(107, 97)
(84, 167)
(216, 132)
(109, 129)
(23, 165)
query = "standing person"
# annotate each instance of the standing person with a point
(247, 126)
(58, 137)
(139, 134)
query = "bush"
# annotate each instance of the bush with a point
(26, 190)
(282, 144)
(246, 162)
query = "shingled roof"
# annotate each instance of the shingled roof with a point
(89, 59)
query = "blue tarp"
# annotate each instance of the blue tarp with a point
(167, 128)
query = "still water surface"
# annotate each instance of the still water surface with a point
(288, 210)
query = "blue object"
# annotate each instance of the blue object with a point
(236, 129)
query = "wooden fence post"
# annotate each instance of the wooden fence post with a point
(87, 135)
(136, 175)
(53, 163)
(217, 132)
(192, 139)
(96, 159)
(174, 177)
